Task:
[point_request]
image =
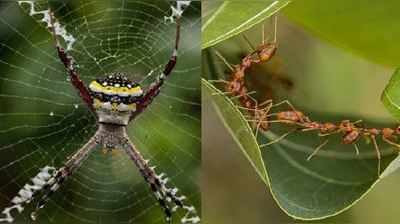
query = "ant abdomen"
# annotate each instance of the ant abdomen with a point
(292, 116)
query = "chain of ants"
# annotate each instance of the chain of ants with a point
(260, 117)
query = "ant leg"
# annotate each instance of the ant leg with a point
(269, 101)
(218, 80)
(248, 109)
(223, 59)
(317, 149)
(278, 139)
(391, 142)
(285, 102)
(330, 133)
(356, 149)
(258, 127)
(309, 129)
(283, 121)
(378, 153)
(275, 121)
(267, 108)
(253, 99)
(255, 116)
(221, 93)
(247, 94)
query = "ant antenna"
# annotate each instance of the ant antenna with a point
(264, 38)
(275, 27)
(224, 60)
(248, 42)
(263, 33)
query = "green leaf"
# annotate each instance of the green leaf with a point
(237, 126)
(391, 95)
(367, 28)
(330, 183)
(225, 20)
(43, 120)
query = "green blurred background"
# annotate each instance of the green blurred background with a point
(325, 76)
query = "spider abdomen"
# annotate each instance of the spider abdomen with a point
(115, 98)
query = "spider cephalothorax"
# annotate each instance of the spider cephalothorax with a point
(115, 98)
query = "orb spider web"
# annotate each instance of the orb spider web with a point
(43, 120)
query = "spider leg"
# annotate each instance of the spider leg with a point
(150, 177)
(154, 88)
(68, 62)
(64, 172)
(26, 194)
(163, 194)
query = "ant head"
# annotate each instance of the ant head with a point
(115, 97)
(346, 125)
(388, 132)
(266, 51)
(373, 131)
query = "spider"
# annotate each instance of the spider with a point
(116, 101)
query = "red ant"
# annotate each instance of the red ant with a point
(236, 85)
(260, 113)
(260, 117)
(351, 133)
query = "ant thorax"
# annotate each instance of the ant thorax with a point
(115, 98)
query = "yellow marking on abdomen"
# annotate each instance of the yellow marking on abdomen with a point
(112, 90)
